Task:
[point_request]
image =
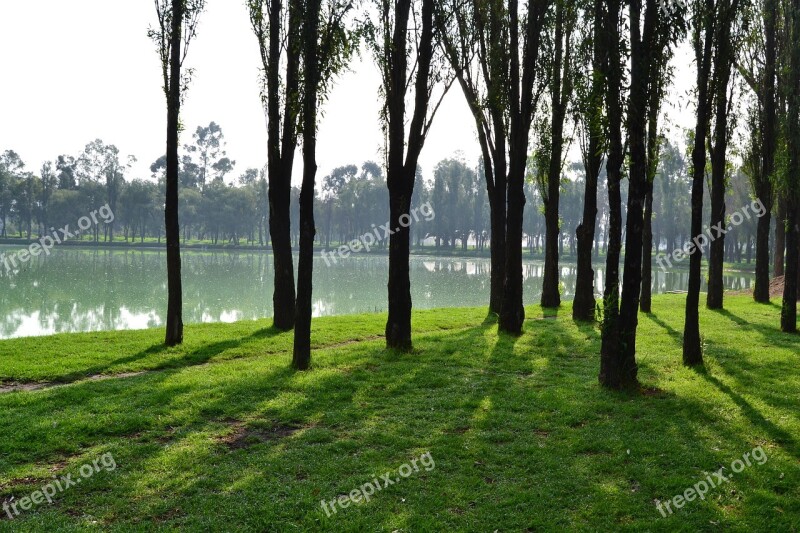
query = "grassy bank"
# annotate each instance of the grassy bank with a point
(220, 435)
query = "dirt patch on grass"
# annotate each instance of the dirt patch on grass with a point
(13, 386)
(244, 436)
(652, 392)
(22, 481)
(775, 289)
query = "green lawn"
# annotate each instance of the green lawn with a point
(221, 435)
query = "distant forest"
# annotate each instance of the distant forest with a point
(217, 209)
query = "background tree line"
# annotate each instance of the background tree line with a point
(350, 200)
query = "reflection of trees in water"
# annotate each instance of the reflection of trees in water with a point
(102, 289)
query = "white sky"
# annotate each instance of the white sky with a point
(78, 70)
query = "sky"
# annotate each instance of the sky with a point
(85, 69)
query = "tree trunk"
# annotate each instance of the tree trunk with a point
(512, 313)
(716, 258)
(642, 55)
(611, 370)
(174, 319)
(780, 236)
(692, 348)
(657, 76)
(789, 308)
(398, 326)
(301, 359)
(497, 245)
(401, 175)
(551, 296)
(280, 158)
(583, 307)
(646, 303)
(522, 104)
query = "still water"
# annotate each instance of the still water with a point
(101, 289)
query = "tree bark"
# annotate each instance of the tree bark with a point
(789, 308)
(174, 320)
(401, 174)
(561, 89)
(522, 106)
(281, 146)
(764, 189)
(610, 368)
(692, 348)
(301, 359)
(583, 307)
(646, 302)
(722, 72)
(780, 236)
(642, 56)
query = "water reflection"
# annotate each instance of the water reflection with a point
(92, 290)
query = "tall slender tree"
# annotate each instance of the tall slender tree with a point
(789, 308)
(704, 27)
(724, 56)
(612, 370)
(177, 26)
(764, 166)
(277, 30)
(561, 83)
(757, 65)
(660, 75)
(401, 29)
(326, 48)
(590, 98)
(524, 91)
(481, 42)
(643, 42)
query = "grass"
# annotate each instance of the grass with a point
(221, 435)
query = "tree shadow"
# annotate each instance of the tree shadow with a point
(674, 333)
(512, 422)
(755, 417)
(199, 356)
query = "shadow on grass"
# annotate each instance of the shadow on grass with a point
(522, 435)
(199, 356)
(676, 335)
(755, 417)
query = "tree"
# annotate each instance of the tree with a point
(11, 167)
(49, 184)
(660, 75)
(590, 103)
(561, 81)
(279, 45)
(724, 55)
(326, 48)
(759, 69)
(209, 147)
(704, 32)
(393, 37)
(177, 26)
(789, 308)
(611, 367)
(498, 78)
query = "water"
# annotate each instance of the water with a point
(102, 289)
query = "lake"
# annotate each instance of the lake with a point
(79, 289)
